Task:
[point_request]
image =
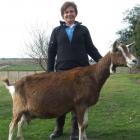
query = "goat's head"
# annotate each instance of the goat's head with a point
(121, 56)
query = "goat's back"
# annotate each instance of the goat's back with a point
(49, 94)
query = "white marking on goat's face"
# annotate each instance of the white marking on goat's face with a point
(130, 59)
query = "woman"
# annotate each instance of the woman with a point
(69, 47)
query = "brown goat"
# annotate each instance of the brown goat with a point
(49, 95)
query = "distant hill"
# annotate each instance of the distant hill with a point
(16, 61)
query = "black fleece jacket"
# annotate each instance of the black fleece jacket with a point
(64, 55)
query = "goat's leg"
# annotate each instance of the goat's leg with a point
(85, 124)
(82, 134)
(82, 117)
(11, 130)
(19, 131)
(12, 126)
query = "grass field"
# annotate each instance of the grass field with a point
(116, 116)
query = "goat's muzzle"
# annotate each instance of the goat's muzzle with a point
(132, 63)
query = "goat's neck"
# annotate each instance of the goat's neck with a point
(102, 71)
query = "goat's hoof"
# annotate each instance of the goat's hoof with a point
(55, 135)
(19, 138)
(74, 138)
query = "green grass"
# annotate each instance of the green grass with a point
(116, 116)
(23, 67)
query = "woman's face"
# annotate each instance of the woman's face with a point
(69, 15)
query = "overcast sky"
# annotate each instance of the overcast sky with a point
(18, 17)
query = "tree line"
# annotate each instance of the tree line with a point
(132, 30)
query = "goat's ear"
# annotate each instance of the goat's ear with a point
(115, 46)
(130, 45)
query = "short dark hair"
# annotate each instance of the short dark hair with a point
(66, 5)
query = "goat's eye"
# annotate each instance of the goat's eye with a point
(130, 49)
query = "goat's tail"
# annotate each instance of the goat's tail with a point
(6, 82)
(10, 87)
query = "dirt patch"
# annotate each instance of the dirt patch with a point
(138, 81)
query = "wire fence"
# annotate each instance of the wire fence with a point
(13, 76)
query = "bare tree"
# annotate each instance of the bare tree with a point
(38, 46)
